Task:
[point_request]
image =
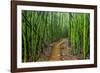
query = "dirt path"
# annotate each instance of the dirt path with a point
(60, 51)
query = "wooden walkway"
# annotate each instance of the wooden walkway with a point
(59, 52)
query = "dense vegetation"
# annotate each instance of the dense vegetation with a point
(40, 28)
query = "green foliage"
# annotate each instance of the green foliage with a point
(78, 34)
(40, 28)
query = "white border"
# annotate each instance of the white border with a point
(52, 63)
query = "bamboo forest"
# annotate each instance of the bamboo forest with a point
(55, 36)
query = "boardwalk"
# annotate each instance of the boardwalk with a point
(60, 51)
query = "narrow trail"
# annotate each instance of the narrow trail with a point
(56, 51)
(60, 51)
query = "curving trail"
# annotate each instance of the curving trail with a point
(60, 51)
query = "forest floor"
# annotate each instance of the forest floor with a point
(59, 51)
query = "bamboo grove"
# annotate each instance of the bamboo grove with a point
(41, 28)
